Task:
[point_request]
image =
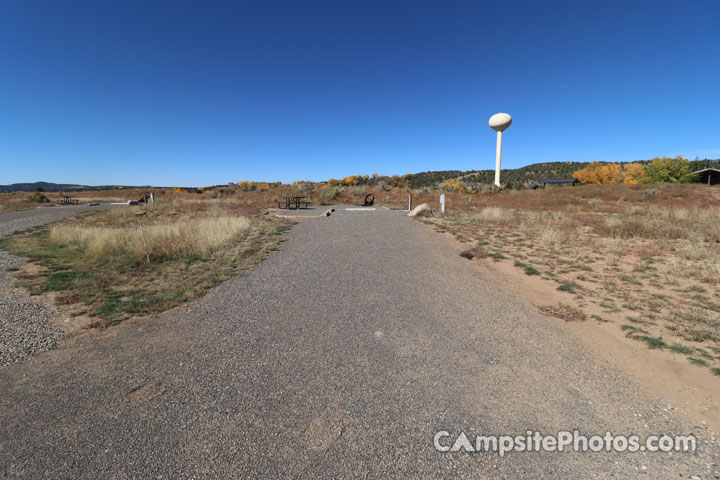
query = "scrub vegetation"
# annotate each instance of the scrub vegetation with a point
(645, 259)
(657, 170)
(97, 265)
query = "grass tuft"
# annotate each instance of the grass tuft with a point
(698, 361)
(567, 287)
(680, 348)
(528, 269)
(652, 342)
(63, 280)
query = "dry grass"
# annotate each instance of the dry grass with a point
(491, 215)
(13, 201)
(653, 259)
(96, 265)
(563, 312)
(180, 239)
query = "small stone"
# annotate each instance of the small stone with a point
(421, 210)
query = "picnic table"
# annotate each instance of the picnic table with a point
(293, 203)
(67, 200)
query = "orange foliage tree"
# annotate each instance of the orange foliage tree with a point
(455, 185)
(401, 182)
(633, 173)
(589, 174)
(602, 173)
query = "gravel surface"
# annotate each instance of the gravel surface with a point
(340, 356)
(26, 327)
(24, 219)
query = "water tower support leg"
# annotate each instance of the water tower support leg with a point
(498, 154)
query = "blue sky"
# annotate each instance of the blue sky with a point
(202, 93)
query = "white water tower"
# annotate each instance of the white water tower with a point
(499, 122)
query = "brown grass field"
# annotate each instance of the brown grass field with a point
(644, 257)
(95, 266)
(317, 194)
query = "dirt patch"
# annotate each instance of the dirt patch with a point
(321, 432)
(563, 311)
(29, 269)
(681, 385)
(145, 392)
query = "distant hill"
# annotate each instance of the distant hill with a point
(57, 187)
(511, 176)
(528, 173)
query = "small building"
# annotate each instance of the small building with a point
(558, 181)
(708, 176)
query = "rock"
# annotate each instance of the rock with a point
(421, 210)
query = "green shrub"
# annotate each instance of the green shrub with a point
(357, 191)
(491, 188)
(331, 194)
(668, 170)
(37, 197)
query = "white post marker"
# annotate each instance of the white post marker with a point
(499, 122)
(442, 203)
(410, 202)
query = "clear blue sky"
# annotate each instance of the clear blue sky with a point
(201, 93)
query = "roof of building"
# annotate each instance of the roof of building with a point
(559, 180)
(707, 170)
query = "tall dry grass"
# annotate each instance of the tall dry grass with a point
(184, 238)
(491, 215)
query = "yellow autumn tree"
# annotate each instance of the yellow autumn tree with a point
(589, 174)
(455, 185)
(352, 180)
(611, 173)
(633, 173)
(601, 173)
(401, 182)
